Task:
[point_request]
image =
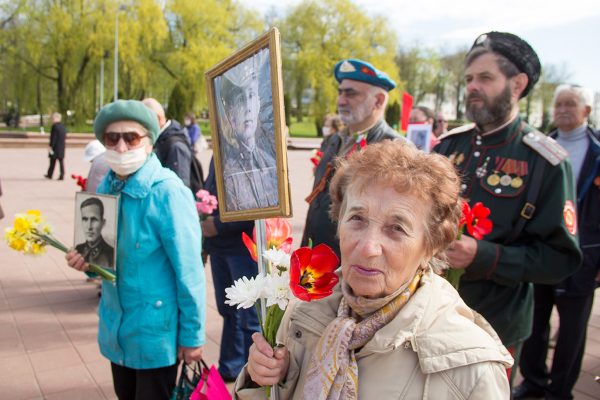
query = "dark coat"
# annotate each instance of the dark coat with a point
(102, 254)
(175, 154)
(228, 241)
(583, 282)
(58, 136)
(319, 227)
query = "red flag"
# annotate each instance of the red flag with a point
(407, 103)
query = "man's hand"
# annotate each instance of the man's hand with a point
(267, 366)
(208, 227)
(189, 354)
(461, 252)
(76, 261)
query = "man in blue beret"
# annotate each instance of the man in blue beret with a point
(526, 181)
(154, 315)
(362, 98)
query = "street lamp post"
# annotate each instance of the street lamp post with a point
(116, 74)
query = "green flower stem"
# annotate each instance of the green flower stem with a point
(100, 271)
(453, 276)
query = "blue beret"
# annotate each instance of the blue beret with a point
(127, 110)
(515, 49)
(362, 71)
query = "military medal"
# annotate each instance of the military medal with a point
(517, 182)
(482, 171)
(570, 217)
(493, 180)
(505, 180)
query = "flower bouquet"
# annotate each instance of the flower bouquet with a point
(30, 235)
(206, 204)
(478, 225)
(307, 273)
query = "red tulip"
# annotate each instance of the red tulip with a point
(476, 220)
(279, 236)
(312, 275)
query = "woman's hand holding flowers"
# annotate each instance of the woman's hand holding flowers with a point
(75, 260)
(267, 366)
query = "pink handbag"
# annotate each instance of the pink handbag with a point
(211, 385)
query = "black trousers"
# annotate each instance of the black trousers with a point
(144, 384)
(574, 313)
(53, 163)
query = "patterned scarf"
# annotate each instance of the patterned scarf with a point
(333, 371)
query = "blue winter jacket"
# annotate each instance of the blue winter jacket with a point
(158, 301)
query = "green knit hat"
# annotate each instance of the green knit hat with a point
(127, 110)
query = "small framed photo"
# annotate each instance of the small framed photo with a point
(420, 136)
(96, 228)
(245, 99)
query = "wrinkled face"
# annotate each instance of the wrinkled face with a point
(92, 223)
(488, 93)
(355, 101)
(242, 111)
(569, 111)
(382, 239)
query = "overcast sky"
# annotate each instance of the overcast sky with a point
(563, 33)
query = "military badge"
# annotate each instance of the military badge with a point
(570, 217)
(597, 181)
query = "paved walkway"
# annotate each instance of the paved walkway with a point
(48, 319)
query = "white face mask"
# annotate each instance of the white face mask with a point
(126, 163)
(326, 131)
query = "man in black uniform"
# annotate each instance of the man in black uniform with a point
(95, 250)
(362, 97)
(56, 148)
(523, 177)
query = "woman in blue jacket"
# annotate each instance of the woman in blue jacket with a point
(154, 314)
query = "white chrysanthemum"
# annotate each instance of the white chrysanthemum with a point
(245, 292)
(277, 257)
(277, 290)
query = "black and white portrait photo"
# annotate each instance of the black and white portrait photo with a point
(248, 154)
(95, 228)
(246, 113)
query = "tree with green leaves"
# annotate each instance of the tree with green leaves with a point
(318, 34)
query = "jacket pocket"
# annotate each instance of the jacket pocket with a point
(158, 316)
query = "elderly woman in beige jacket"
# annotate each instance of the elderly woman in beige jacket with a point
(393, 329)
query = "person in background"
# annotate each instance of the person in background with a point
(172, 146)
(56, 149)
(425, 115)
(94, 153)
(441, 124)
(230, 261)
(192, 128)
(332, 126)
(155, 312)
(574, 296)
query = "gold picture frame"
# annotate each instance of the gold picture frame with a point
(245, 103)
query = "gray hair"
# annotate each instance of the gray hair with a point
(584, 94)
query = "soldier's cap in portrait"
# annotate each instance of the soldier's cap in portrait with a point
(127, 110)
(515, 49)
(362, 71)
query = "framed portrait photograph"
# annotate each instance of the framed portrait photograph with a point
(245, 98)
(96, 228)
(420, 135)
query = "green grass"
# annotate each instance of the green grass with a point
(306, 128)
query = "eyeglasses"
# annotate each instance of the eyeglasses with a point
(132, 139)
(441, 120)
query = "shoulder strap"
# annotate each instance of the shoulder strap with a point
(530, 199)
(546, 147)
